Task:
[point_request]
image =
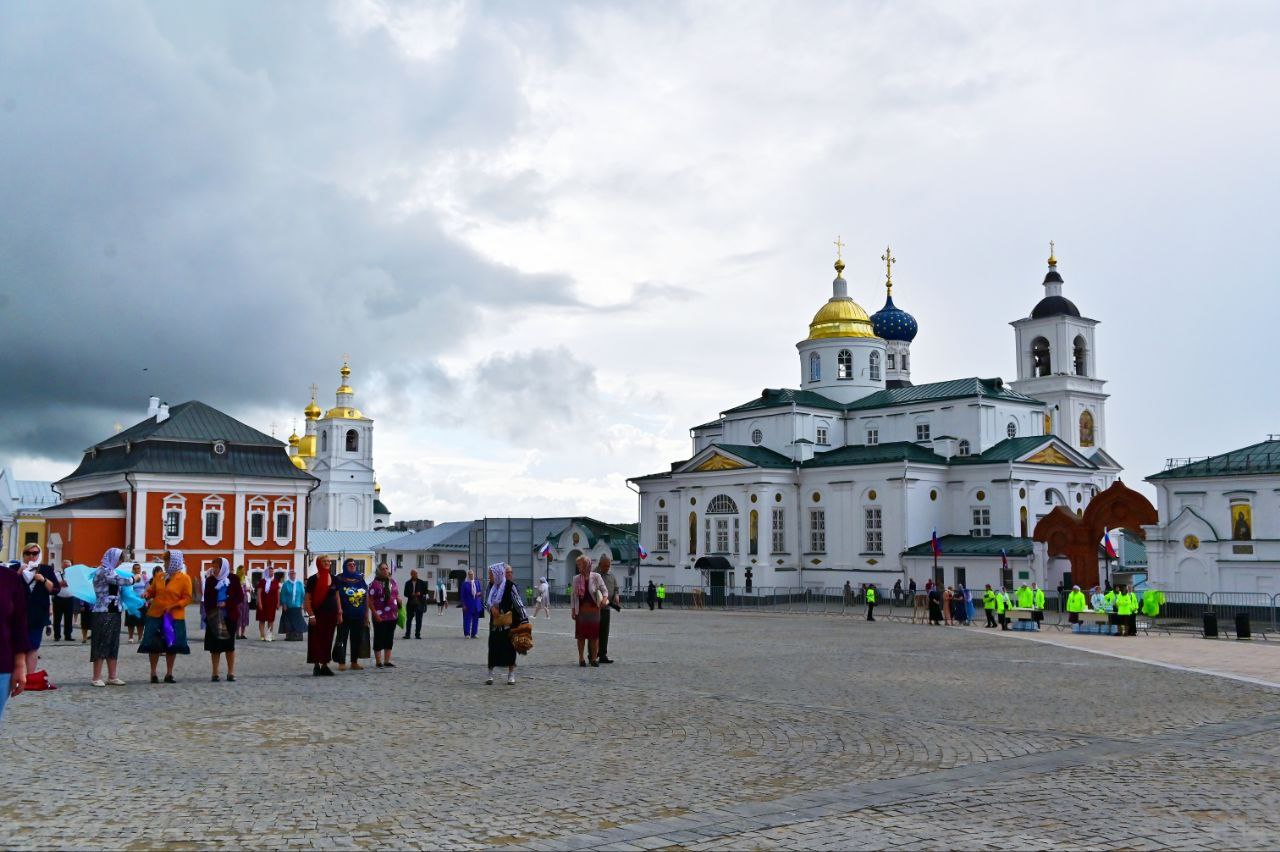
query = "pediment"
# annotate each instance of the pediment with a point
(1191, 522)
(1056, 453)
(719, 461)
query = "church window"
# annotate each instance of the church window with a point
(1040, 362)
(706, 545)
(324, 440)
(1012, 429)
(844, 365)
(172, 524)
(1081, 356)
(963, 449)
(874, 531)
(905, 363)
(874, 371)
(815, 367)
(693, 533)
(756, 436)
(753, 533)
(817, 531)
(981, 522)
(257, 525)
(873, 437)
(888, 361)
(1022, 520)
(212, 522)
(282, 525)
(1086, 429)
(722, 535)
(722, 504)
(664, 532)
(211, 512)
(737, 534)
(779, 542)
(922, 431)
(353, 441)
(822, 436)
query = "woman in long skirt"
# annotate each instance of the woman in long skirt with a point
(105, 618)
(293, 621)
(223, 595)
(506, 610)
(588, 592)
(268, 602)
(324, 613)
(241, 616)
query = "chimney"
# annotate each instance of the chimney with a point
(945, 446)
(153, 406)
(801, 450)
(162, 414)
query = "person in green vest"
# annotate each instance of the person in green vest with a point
(1113, 617)
(1037, 604)
(1024, 597)
(1002, 606)
(1152, 602)
(662, 594)
(871, 602)
(1129, 601)
(1075, 605)
(989, 605)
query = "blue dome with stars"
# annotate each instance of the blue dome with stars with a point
(893, 323)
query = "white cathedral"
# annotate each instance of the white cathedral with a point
(848, 477)
(336, 447)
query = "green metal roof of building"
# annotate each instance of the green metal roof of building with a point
(192, 421)
(1012, 449)
(759, 456)
(939, 391)
(1256, 459)
(380, 508)
(893, 451)
(784, 397)
(968, 545)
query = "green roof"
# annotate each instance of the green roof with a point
(784, 397)
(1255, 459)
(1012, 449)
(192, 421)
(759, 456)
(380, 508)
(968, 545)
(893, 451)
(939, 391)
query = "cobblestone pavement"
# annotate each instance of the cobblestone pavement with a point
(712, 731)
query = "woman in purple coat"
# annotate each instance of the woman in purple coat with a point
(472, 605)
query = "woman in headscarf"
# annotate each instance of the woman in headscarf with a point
(241, 617)
(223, 597)
(292, 621)
(324, 614)
(353, 628)
(588, 592)
(506, 610)
(105, 619)
(384, 605)
(543, 604)
(167, 596)
(268, 602)
(133, 623)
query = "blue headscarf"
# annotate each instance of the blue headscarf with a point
(175, 563)
(497, 583)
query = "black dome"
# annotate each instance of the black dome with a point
(1054, 306)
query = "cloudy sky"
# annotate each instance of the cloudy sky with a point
(554, 236)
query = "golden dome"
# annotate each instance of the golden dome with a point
(299, 462)
(346, 388)
(312, 411)
(840, 317)
(294, 440)
(345, 371)
(343, 412)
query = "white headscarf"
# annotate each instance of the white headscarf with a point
(267, 576)
(497, 583)
(111, 559)
(224, 573)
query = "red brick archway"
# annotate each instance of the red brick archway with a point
(1077, 538)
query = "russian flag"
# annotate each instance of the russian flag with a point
(1004, 558)
(545, 551)
(1109, 546)
(644, 554)
(935, 544)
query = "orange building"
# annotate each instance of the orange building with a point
(188, 478)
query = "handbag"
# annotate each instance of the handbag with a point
(502, 619)
(217, 625)
(402, 617)
(522, 638)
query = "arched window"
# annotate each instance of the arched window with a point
(963, 449)
(874, 371)
(844, 364)
(693, 533)
(1086, 429)
(1012, 429)
(815, 367)
(1040, 364)
(888, 361)
(1022, 520)
(324, 441)
(353, 441)
(722, 504)
(1081, 356)
(906, 363)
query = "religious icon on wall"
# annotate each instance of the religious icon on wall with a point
(1086, 429)
(1241, 521)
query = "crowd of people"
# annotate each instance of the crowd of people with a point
(343, 618)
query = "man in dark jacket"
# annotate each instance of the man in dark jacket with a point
(415, 603)
(651, 595)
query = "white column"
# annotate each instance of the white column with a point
(300, 535)
(238, 557)
(140, 524)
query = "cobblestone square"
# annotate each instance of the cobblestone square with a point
(712, 731)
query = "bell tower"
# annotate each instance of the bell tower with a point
(343, 462)
(1057, 363)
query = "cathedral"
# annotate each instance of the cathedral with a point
(336, 447)
(857, 472)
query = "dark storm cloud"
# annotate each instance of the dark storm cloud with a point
(197, 202)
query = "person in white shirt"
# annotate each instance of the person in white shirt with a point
(544, 598)
(64, 606)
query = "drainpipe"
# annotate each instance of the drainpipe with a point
(799, 530)
(133, 508)
(306, 559)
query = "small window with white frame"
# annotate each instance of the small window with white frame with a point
(844, 365)
(873, 436)
(981, 522)
(874, 367)
(175, 517)
(922, 432)
(211, 510)
(817, 531)
(874, 530)
(779, 537)
(963, 448)
(258, 510)
(1012, 429)
(822, 436)
(888, 361)
(663, 541)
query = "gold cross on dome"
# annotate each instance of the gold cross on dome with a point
(314, 390)
(273, 428)
(839, 244)
(1052, 257)
(889, 261)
